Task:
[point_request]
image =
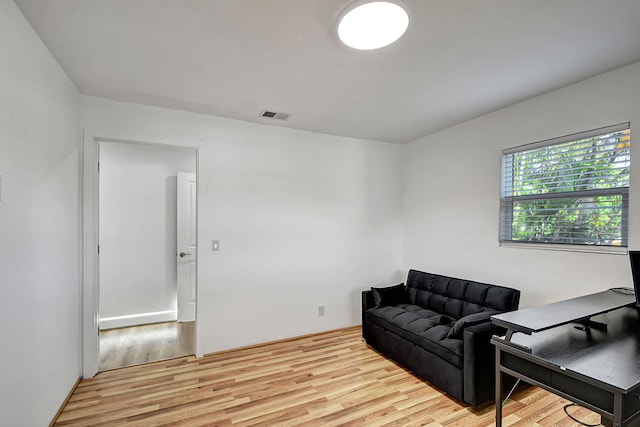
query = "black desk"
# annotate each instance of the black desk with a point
(595, 368)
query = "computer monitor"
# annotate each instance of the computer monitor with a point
(634, 259)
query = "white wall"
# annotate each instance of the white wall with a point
(138, 190)
(40, 324)
(452, 191)
(303, 219)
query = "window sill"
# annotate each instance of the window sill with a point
(609, 250)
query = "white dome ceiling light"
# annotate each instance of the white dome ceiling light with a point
(367, 24)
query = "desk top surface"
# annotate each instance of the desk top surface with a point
(610, 358)
(540, 318)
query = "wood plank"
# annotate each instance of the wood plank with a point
(328, 379)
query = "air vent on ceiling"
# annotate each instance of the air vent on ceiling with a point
(275, 115)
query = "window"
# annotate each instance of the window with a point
(571, 190)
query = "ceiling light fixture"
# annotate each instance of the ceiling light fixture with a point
(367, 24)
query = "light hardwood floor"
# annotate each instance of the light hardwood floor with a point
(329, 379)
(146, 343)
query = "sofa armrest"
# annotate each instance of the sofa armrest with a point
(367, 303)
(367, 300)
(479, 363)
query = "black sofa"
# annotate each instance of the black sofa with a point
(439, 328)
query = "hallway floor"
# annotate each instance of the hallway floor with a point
(146, 343)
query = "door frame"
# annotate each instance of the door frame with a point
(91, 239)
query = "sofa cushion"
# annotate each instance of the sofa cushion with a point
(390, 295)
(423, 327)
(469, 320)
(458, 297)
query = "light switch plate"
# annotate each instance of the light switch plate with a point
(215, 245)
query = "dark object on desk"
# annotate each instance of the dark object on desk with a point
(439, 327)
(634, 260)
(597, 369)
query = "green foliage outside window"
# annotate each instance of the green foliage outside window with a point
(573, 192)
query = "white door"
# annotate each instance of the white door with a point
(186, 254)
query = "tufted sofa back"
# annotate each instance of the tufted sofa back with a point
(458, 297)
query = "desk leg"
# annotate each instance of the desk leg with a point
(617, 409)
(498, 390)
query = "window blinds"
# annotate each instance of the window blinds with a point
(572, 189)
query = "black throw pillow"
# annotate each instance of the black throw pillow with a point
(469, 320)
(390, 295)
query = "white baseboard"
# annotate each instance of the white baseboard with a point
(138, 319)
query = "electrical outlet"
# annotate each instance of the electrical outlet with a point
(321, 310)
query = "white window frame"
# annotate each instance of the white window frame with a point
(507, 198)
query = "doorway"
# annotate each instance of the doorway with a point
(140, 270)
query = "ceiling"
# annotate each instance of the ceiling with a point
(235, 58)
